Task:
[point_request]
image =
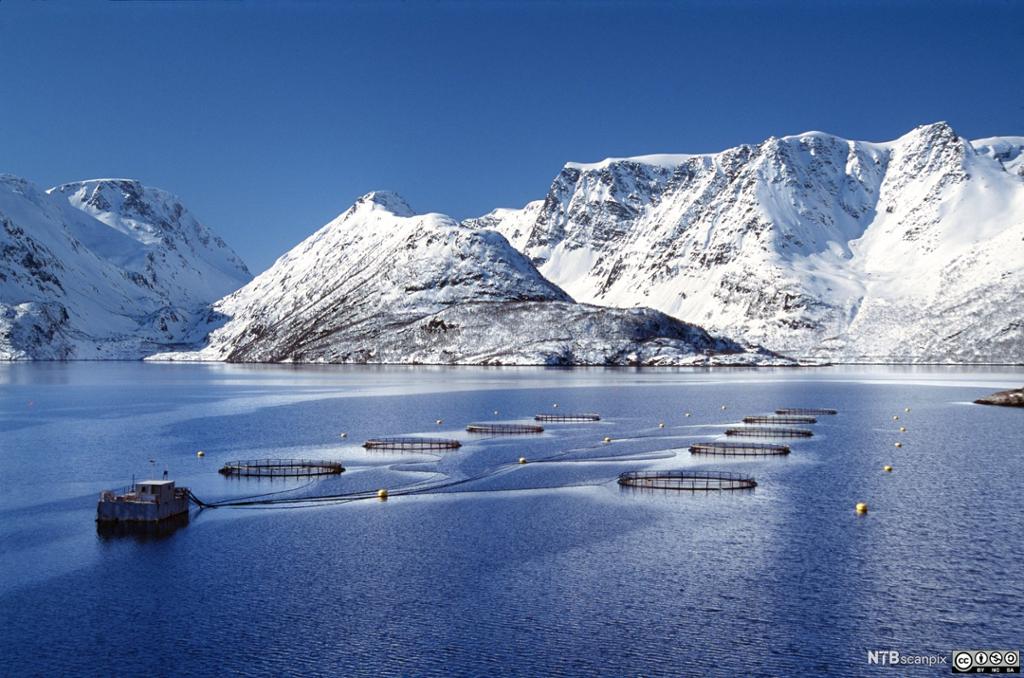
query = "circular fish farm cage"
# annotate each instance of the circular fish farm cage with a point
(402, 444)
(567, 417)
(505, 429)
(739, 449)
(693, 481)
(280, 468)
(779, 419)
(805, 410)
(769, 432)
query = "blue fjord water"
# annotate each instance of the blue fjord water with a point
(548, 568)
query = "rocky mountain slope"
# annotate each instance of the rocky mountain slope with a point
(104, 269)
(812, 245)
(382, 284)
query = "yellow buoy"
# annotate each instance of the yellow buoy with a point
(895, 418)
(607, 439)
(439, 422)
(862, 507)
(887, 468)
(903, 429)
(522, 460)
(382, 494)
(200, 453)
(661, 425)
(898, 444)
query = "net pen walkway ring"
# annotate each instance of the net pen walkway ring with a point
(779, 419)
(280, 468)
(769, 432)
(735, 449)
(412, 443)
(505, 429)
(805, 410)
(567, 417)
(694, 481)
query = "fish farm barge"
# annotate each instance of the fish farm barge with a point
(739, 449)
(280, 468)
(779, 419)
(769, 432)
(505, 429)
(412, 444)
(147, 501)
(805, 410)
(567, 417)
(694, 481)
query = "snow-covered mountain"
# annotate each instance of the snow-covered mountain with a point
(177, 253)
(105, 269)
(382, 284)
(812, 245)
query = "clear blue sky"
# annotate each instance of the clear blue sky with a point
(269, 119)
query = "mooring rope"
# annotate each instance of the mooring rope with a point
(203, 504)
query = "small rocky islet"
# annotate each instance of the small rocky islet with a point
(1011, 398)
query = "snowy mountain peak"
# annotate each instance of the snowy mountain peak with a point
(807, 136)
(386, 200)
(143, 212)
(176, 249)
(135, 205)
(931, 133)
(375, 265)
(937, 146)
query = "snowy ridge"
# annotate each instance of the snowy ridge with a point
(515, 225)
(663, 160)
(1007, 150)
(72, 286)
(176, 248)
(812, 245)
(381, 284)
